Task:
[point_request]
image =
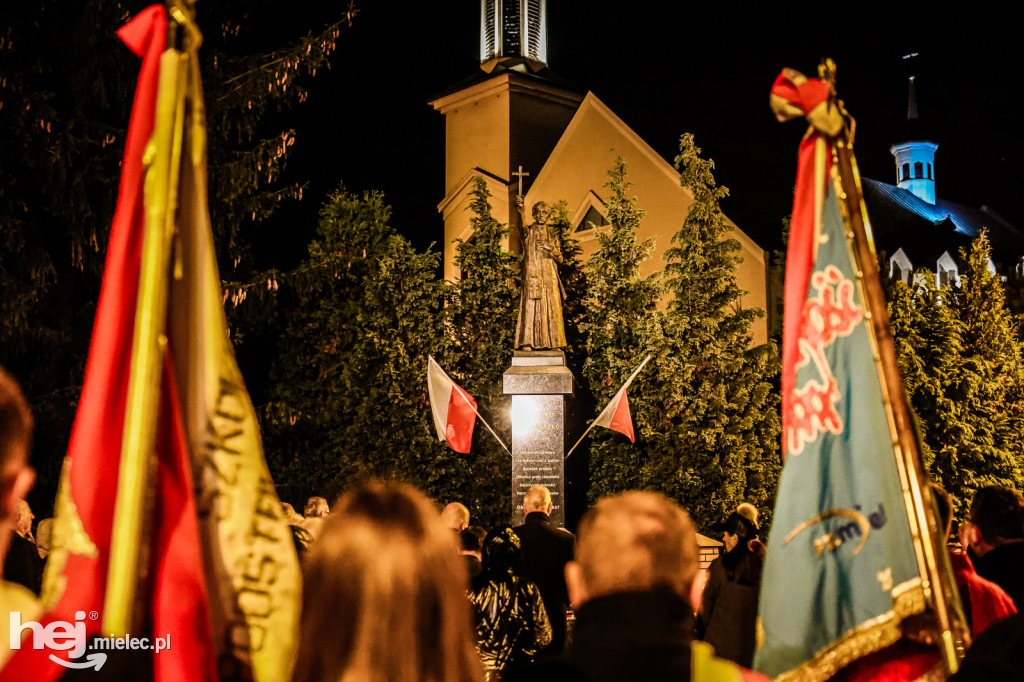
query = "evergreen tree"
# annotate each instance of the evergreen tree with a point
(720, 424)
(64, 98)
(777, 284)
(960, 359)
(483, 306)
(993, 447)
(257, 61)
(349, 398)
(623, 325)
(928, 339)
(579, 408)
(66, 88)
(574, 282)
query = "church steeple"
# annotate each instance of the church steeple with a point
(915, 159)
(502, 121)
(513, 34)
(912, 101)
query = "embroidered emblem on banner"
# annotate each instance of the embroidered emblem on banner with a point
(828, 315)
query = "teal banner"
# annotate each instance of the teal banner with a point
(841, 568)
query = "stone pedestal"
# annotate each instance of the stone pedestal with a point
(538, 382)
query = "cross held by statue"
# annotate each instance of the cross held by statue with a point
(520, 174)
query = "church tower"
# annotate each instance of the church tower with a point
(915, 160)
(513, 32)
(502, 122)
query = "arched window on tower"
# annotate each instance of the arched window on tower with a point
(513, 28)
(906, 172)
(930, 172)
(918, 169)
(488, 34)
(533, 11)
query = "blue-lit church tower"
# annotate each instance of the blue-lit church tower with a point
(915, 228)
(915, 160)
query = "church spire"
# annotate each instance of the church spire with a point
(912, 101)
(915, 158)
(513, 34)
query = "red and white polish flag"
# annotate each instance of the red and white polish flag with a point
(615, 415)
(454, 409)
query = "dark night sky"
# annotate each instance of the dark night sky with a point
(704, 68)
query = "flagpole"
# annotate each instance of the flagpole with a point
(150, 342)
(932, 555)
(623, 387)
(462, 394)
(573, 448)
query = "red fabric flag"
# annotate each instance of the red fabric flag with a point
(76, 580)
(616, 416)
(454, 410)
(795, 95)
(180, 602)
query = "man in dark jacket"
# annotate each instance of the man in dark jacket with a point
(995, 538)
(632, 585)
(545, 552)
(511, 624)
(728, 609)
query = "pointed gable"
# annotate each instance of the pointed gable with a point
(576, 171)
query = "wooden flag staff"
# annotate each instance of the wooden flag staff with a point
(933, 558)
(469, 402)
(594, 423)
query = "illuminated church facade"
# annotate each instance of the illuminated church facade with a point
(516, 122)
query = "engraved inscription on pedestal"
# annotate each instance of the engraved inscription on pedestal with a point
(538, 382)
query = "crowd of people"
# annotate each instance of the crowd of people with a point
(395, 590)
(631, 581)
(431, 597)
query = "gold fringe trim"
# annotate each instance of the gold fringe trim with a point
(69, 537)
(908, 599)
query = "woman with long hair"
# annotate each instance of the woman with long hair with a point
(728, 609)
(383, 596)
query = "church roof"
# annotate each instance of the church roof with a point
(545, 75)
(900, 219)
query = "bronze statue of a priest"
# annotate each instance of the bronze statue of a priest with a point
(540, 323)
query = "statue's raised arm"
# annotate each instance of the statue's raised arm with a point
(521, 224)
(540, 323)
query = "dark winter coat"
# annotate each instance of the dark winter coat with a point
(995, 655)
(621, 637)
(544, 553)
(1004, 565)
(512, 625)
(728, 607)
